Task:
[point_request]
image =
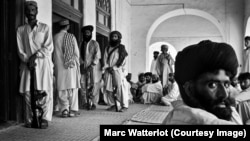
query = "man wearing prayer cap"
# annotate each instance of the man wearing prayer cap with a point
(90, 68)
(63, 22)
(33, 3)
(35, 47)
(66, 60)
(164, 66)
(203, 72)
(114, 61)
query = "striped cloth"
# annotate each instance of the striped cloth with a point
(68, 50)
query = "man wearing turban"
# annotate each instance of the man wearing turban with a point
(164, 67)
(203, 72)
(114, 62)
(35, 47)
(90, 67)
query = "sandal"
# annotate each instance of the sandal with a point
(72, 114)
(65, 113)
(111, 108)
(123, 109)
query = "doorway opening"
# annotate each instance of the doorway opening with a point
(157, 47)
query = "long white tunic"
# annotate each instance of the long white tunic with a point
(246, 61)
(163, 68)
(92, 56)
(153, 66)
(65, 78)
(243, 96)
(151, 92)
(118, 78)
(30, 41)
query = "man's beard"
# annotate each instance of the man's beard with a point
(154, 81)
(212, 106)
(114, 42)
(148, 81)
(87, 38)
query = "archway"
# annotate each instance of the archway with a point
(157, 47)
(247, 32)
(180, 12)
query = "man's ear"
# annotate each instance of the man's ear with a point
(188, 88)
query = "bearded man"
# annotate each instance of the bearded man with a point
(164, 66)
(90, 67)
(35, 47)
(203, 72)
(114, 62)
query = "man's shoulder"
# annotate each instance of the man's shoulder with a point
(70, 35)
(122, 45)
(200, 116)
(21, 27)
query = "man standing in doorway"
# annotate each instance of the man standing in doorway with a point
(35, 47)
(153, 63)
(90, 55)
(164, 66)
(67, 70)
(246, 55)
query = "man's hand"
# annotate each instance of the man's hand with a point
(110, 70)
(82, 68)
(89, 68)
(32, 61)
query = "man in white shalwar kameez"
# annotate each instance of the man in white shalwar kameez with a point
(152, 92)
(243, 99)
(67, 70)
(90, 66)
(35, 46)
(173, 93)
(246, 56)
(153, 63)
(114, 61)
(164, 66)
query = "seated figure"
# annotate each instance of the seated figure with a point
(152, 92)
(243, 99)
(173, 94)
(136, 88)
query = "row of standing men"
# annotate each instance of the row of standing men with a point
(73, 67)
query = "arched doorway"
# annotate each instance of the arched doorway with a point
(157, 47)
(180, 12)
(247, 32)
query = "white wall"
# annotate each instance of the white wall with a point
(235, 25)
(89, 14)
(181, 35)
(121, 21)
(228, 13)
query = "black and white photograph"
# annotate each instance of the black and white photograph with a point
(94, 70)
